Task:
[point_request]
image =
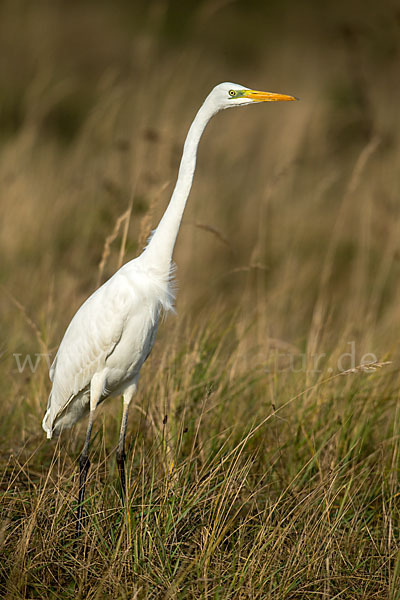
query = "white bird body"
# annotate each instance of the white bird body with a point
(110, 336)
(113, 332)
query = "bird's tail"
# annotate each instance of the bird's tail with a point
(47, 424)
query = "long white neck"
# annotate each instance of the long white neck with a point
(158, 253)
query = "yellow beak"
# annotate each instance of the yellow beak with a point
(267, 96)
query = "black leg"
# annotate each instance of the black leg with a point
(121, 456)
(84, 465)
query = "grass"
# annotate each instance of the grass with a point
(263, 449)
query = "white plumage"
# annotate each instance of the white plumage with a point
(113, 332)
(110, 336)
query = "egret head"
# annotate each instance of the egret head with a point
(228, 95)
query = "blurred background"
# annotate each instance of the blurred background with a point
(294, 218)
(254, 468)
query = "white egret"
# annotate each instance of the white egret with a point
(113, 332)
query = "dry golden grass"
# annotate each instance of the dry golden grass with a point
(264, 445)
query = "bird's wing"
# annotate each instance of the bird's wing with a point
(90, 339)
(53, 368)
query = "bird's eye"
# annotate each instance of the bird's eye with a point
(232, 93)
